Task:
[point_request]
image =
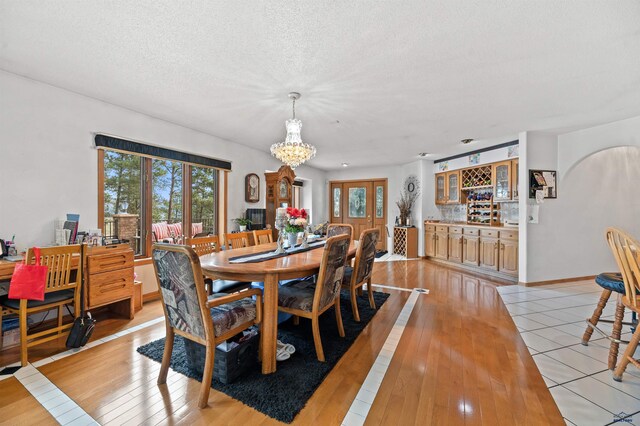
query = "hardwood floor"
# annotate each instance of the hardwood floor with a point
(460, 360)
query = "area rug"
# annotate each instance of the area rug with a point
(283, 394)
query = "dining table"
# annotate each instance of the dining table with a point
(271, 272)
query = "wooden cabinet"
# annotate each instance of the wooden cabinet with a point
(515, 179)
(279, 193)
(508, 252)
(453, 187)
(489, 253)
(109, 279)
(455, 247)
(442, 245)
(470, 250)
(430, 240)
(405, 241)
(441, 188)
(502, 180)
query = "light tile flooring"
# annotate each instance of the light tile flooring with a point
(551, 321)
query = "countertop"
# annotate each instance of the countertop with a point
(468, 225)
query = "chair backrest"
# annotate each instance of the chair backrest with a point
(204, 245)
(59, 261)
(339, 229)
(237, 240)
(264, 236)
(626, 251)
(334, 260)
(365, 255)
(182, 291)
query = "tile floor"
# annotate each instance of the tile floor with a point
(551, 321)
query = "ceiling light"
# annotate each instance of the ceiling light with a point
(293, 151)
(423, 154)
(345, 164)
(466, 141)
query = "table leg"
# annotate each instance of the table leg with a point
(269, 330)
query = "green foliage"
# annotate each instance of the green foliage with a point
(242, 221)
(122, 183)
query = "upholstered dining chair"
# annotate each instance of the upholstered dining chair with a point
(334, 229)
(626, 251)
(211, 244)
(264, 236)
(356, 277)
(190, 314)
(61, 288)
(302, 299)
(236, 240)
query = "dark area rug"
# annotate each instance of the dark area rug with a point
(283, 394)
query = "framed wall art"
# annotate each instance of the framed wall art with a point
(252, 188)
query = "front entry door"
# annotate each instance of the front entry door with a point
(361, 204)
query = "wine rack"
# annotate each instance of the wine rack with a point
(483, 212)
(476, 177)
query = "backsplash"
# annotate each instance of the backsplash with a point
(458, 212)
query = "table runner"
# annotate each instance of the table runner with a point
(267, 255)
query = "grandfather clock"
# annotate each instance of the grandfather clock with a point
(279, 192)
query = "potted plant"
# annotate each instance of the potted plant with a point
(405, 204)
(242, 223)
(296, 223)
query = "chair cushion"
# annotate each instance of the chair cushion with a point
(230, 315)
(611, 281)
(53, 297)
(227, 286)
(297, 295)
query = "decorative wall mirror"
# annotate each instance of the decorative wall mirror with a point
(252, 188)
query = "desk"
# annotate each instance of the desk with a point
(299, 265)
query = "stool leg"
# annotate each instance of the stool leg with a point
(604, 298)
(617, 330)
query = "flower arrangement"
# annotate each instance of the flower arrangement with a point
(296, 220)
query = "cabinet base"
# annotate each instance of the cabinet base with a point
(476, 270)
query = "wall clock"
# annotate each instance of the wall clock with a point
(252, 188)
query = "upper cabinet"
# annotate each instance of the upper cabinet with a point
(441, 188)
(502, 180)
(448, 187)
(453, 187)
(515, 167)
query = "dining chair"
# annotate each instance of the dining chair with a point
(62, 288)
(208, 245)
(264, 236)
(363, 267)
(626, 251)
(190, 314)
(302, 299)
(236, 240)
(334, 229)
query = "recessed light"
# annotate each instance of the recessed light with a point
(423, 154)
(466, 141)
(345, 164)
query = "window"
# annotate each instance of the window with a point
(146, 200)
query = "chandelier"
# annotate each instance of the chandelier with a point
(293, 151)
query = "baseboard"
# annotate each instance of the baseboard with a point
(560, 281)
(149, 297)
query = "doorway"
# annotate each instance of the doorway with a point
(360, 203)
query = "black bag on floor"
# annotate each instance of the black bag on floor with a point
(83, 325)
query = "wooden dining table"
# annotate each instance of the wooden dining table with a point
(298, 265)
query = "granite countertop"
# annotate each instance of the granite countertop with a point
(477, 225)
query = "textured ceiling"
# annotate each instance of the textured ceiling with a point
(380, 81)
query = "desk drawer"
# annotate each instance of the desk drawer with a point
(489, 233)
(443, 229)
(110, 287)
(509, 235)
(109, 262)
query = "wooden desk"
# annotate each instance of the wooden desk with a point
(217, 266)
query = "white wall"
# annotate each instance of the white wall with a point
(50, 164)
(598, 175)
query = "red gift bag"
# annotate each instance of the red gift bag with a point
(28, 281)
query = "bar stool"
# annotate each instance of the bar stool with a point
(610, 282)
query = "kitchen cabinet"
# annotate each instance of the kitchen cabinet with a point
(502, 181)
(453, 187)
(441, 188)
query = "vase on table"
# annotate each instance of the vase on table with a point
(243, 228)
(293, 238)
